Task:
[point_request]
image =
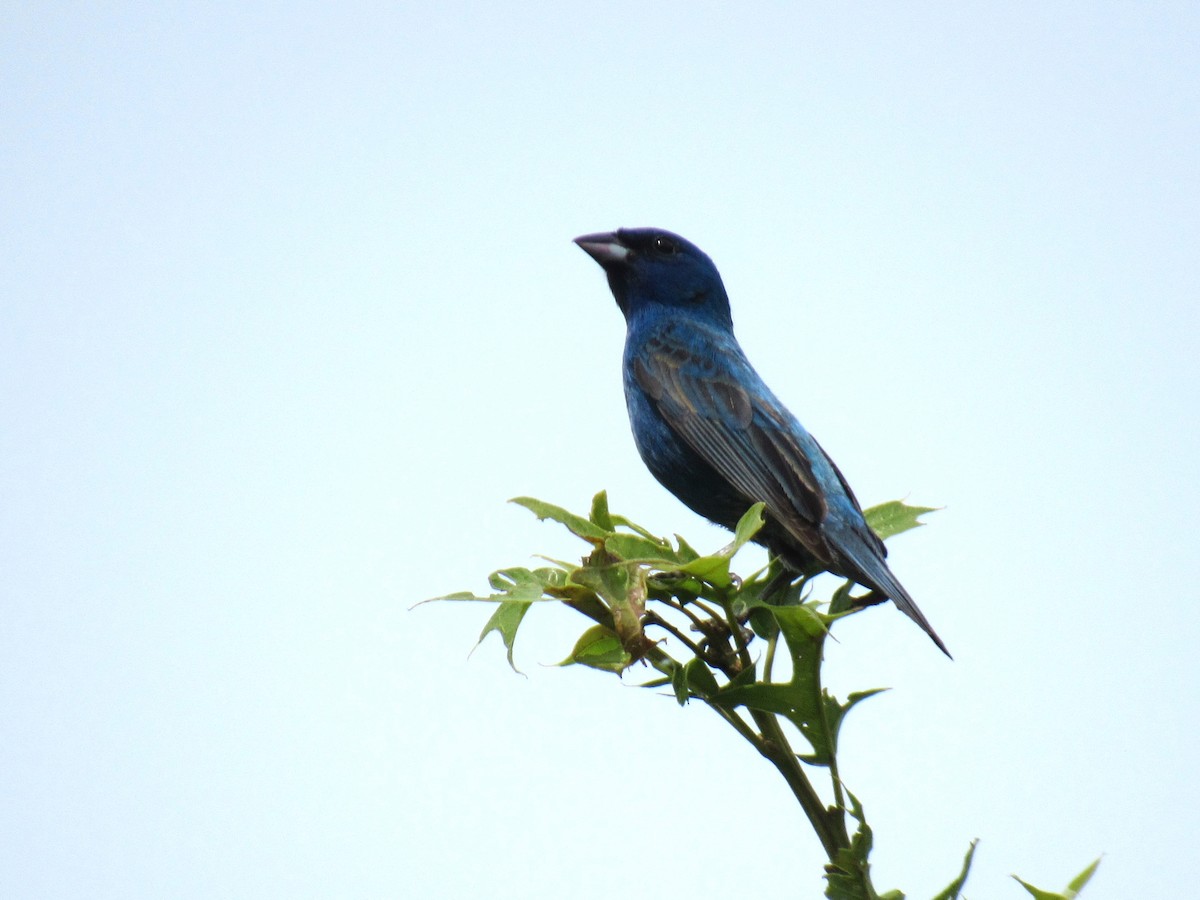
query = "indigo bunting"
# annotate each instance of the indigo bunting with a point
(710, 430)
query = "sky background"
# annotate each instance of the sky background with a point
(290, 309)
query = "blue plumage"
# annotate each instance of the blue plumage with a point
(712, 432)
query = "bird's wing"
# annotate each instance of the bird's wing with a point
(717, 404)
(720, 408)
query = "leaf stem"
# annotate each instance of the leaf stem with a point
(735, 628)
(774, 746)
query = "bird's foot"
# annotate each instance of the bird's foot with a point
(871, 598)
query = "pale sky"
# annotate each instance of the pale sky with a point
(291, 309)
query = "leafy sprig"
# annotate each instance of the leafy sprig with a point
(714, 638)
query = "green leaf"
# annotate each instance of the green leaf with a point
(1070, 892)
(700, 680)
(842, 601)
(686, 552)
(835, 713)
(600, 515)
(1038, 892)
(506, 620)
(576, 524)
(679, 685)
(894, 517)
(953, 889)
(458, 596)
(1078, 882)
(599, 648)
(519, 583)
(622, 522)
(848, 876)
(621, 585)
(800, 699)
(748, 526)
(635, 547)
(713, 569)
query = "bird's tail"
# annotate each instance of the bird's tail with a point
(905, 604)
(871, 570)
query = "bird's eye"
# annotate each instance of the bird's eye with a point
(666, 246)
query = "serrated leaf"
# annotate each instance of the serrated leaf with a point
(800, 699)
(835, 714)
(895, 517)
(577, 525)
(954, 888)
(519, 583)
(506, 620)
(599, 648)
(847, 877)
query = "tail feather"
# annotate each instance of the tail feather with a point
(868, 568)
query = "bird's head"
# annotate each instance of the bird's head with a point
(649, 267)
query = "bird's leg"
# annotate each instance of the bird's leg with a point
(871, 598)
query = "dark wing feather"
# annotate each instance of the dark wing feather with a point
(763, 453)
(748, 440)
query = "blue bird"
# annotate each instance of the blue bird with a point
(710, 430)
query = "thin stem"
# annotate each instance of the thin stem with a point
(830, 829)
(653, 618)
(739, 725)
(696, 621)
(738, 638)
(769, 661)
(708, 610)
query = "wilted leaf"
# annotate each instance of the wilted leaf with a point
(599, 648)
(622, 586)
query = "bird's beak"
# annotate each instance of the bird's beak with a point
(604, 247)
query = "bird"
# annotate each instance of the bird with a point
(710, 430)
